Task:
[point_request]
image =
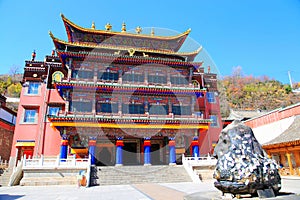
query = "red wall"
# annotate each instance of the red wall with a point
(274, 116)
(47, 139)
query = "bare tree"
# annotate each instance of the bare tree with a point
(13, 71)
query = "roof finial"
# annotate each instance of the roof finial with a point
(123, 27)
(138, 30)
(53, 52)
(93, 25)
(152, 31)
(33, 55)
(108, 27)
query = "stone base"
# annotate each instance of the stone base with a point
(118, 165)
(147, 164)
(172, 164)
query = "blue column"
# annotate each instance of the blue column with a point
(147, 151)
(92, 148)
(172, 152)
(196, 151)
(195, 147)
(64, 147)
(119, 152)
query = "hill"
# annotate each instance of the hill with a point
(242, 92)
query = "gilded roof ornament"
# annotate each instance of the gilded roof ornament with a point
(123, 27)
(93, 25)
(138, 30)
(152, 31)
(108, 27)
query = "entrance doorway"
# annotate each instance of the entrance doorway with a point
(130, 153)
(104, 157)
(155, 154)
(25, 151)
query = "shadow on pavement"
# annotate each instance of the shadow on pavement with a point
(218, 195)
(10, 197)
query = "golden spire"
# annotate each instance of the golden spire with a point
(123, 27)
(152, 31)
(108, 27)
(93, 25)
(138, 30)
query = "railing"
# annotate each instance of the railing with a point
(3, 164)
(17, 174)
(55, 162)
(170, 116)
(190, 162)
(200, 161)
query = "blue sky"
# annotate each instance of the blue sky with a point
(263, 37)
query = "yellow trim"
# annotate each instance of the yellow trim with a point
(25, 144)
(90, 30)
(145, 126)
(77, 44)
(79, 151)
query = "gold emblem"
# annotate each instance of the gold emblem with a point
(57, 76)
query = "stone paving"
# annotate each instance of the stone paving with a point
(188, 191)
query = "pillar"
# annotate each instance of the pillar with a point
(92, 148)
(288, 155)
(190, 75)
(120, 105)
(172, 151)
(147, 151)
(146, 77)
(168, 76)
(297, 160)
(119, 152)
(64, 147)
(283, 159)
(195, 147)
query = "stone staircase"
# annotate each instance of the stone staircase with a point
(39, 177)
(140, 174)
(5, 176)
(204, 172)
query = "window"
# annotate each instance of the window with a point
(107, 107)
(33, 88)
(133, 77)
(30, 115)
(157, 79)
(133, 109)
(158, 109)
(82, 74)
(210, 97)
(181, 110)
(80, 106)
(214, 119)
(198, 114)
(53, 110)
(108, 76)
(178, 80)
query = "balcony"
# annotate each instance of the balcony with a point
(119, 116)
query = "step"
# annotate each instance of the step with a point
(142, 174)
(35, 181)
(5, 177)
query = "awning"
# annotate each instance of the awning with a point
(25, 144)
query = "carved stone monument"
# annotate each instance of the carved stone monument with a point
(243, 167)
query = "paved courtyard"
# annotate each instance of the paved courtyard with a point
(174, 191)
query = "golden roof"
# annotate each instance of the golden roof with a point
(94, 31)
(117, 48)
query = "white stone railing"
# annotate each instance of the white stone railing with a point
(55, 162)
(199, 161)
(190, 162)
